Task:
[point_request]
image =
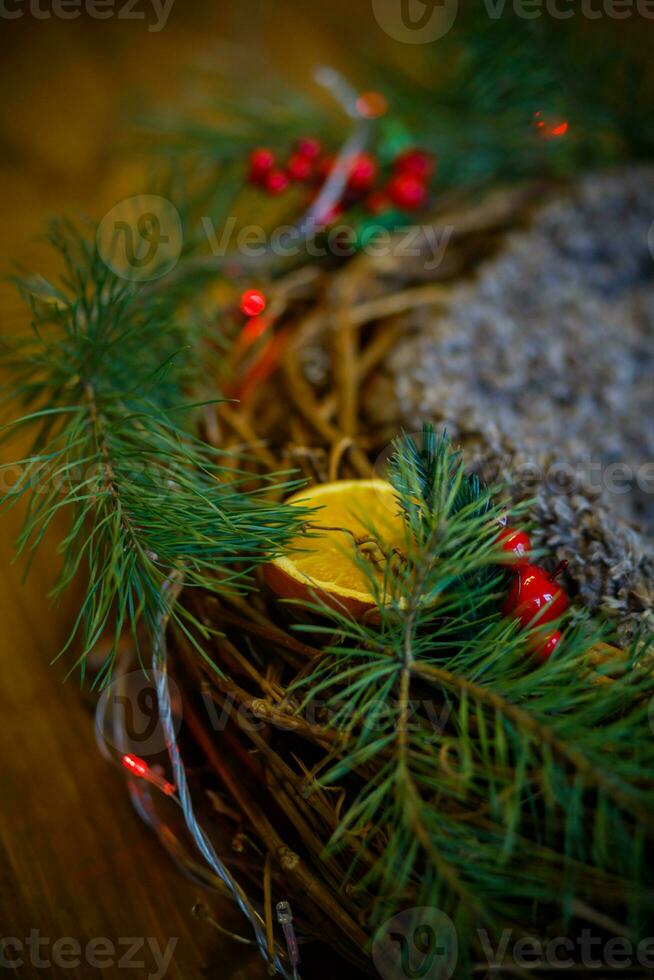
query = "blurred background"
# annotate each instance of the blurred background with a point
(76, 861)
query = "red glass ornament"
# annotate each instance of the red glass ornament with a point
(407, 191)
(534, 594)
(542, 647)
(276, 182)
(252, 302)
(299, 167)
(309, 147)
(415, 162)
(516, 544)
(363, 172)
(262, 160)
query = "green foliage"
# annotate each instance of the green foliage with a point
(104, 379)
(472, 100)
(506, 793)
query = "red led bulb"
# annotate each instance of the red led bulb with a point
(137, 767)
(372, 105)
(252, 302)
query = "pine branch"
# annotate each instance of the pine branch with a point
(500, 791)
(471, 101)
(113, 449)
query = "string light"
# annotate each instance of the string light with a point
(138, 767)
(372, 105)
(216, 875)
(253, 302)
(551, 129)
(202, 841)
(255, 327)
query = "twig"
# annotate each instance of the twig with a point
(345, 343)
(290, 862)
(238, 422)
(303, 399)
(378, 309)
(268, 631)
(541, 733)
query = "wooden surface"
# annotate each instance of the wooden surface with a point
(75, 859)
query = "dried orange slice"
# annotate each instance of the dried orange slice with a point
(353, 520)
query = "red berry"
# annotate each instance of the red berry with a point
(308, 147)
(299, 167)
(414, 162)
(252, 302)
(542, 647)
(262, 160)
(276, 182)
(363, 171)
(377, 202)
(533, 594)
(516, 544)
(407, 191)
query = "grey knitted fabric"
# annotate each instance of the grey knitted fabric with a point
(543, 367)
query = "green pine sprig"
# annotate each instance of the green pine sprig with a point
(106, 379)
(505, 793)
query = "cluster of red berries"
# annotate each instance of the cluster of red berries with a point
(300, 166)
(407, 188)
(534, 594)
